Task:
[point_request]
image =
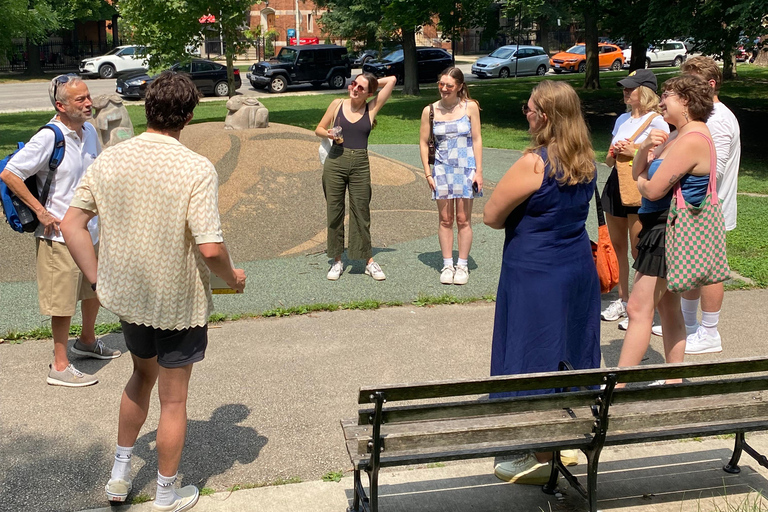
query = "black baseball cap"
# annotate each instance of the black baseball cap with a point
(639, 77)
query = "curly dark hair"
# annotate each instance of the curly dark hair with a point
(695, 92)
(170, 100)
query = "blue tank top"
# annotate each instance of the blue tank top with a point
(694, 190)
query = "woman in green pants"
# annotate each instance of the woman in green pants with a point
(347, 167)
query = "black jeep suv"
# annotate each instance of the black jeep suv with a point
(314, 64)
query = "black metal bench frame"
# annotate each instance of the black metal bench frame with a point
(603, 390)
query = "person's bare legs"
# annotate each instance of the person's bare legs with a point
(445, 228)
(89, 309)
(134, 403)
(172, 386)
(634, 226)
(673, 328)
(618, 229)
(464, 227)
(60, 330)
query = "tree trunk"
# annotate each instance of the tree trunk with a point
(729, 65)
(33, 60)
(410, 63)
(762, 55)
(639, 48)
(592, 75)
(543, 24)
(231, 70)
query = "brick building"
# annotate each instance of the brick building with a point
(280, 15)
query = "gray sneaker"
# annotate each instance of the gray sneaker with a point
(97, 350)
(70, 377)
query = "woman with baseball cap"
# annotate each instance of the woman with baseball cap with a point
(621, 199)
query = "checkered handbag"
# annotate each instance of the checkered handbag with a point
(695, 238)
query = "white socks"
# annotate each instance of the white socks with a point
(690, 310)
(709, 322)
(122, 468)
(447, 262)
(461, 263)
(166, 493)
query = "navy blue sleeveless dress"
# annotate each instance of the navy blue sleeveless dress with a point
(548, 300)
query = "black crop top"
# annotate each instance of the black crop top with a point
(355, 134)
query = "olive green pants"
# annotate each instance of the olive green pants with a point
(348, 169)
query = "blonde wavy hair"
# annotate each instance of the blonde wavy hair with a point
(565, 134)
(649, 101)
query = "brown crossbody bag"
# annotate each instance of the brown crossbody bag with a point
(630, 195)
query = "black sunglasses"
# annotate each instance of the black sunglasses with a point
(526, 109)
(59, 80)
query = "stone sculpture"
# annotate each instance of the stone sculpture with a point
(111, 119)
(244, 113)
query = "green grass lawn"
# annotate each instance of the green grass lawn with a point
(504, 126)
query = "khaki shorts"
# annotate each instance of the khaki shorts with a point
(60, 284)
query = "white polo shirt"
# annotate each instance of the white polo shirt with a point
(79, 154)
(726, 136)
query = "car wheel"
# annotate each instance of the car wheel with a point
(221, 89)
(616, 65)
(504, 73)
(541, 70)
(107, 71)
(678, 62)
(337, 81)
(647, 63)
(278, 84)
(582, 67)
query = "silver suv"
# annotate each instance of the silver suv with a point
(511, 59)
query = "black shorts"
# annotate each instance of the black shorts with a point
(611, 198)
(173, 348)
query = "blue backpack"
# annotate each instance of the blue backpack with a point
(18, 215)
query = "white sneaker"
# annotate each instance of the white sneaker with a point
(701, 342)
(526, 470)
(689, 329)
(446, 275)
(461, 276)
(336, 270)
(188, 496)
(614, 311)
(656, 330)
(624, 324)
(374, 270)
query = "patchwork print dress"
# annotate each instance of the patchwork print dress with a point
(454, 169)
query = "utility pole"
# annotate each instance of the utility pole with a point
(298, 23)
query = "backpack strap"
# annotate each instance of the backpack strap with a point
(59, 148)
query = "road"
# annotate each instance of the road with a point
(26, 96)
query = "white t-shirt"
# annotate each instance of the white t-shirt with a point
(626, 126)
(79, 154)
(726, 135)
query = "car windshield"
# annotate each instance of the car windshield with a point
(113, 51)
(503, 53)
(394, 56)
(578, 49)
(287, 55)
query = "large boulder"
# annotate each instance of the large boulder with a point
(111, 119)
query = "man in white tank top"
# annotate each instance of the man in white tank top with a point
(704, 338)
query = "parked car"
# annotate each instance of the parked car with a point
(363, 57)
(431, 62)
(209, 77)
(118, 60)
(575, 58)
(667, 53)
(508, 60)
(313, 64)
(741, 54)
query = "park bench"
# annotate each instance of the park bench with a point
(587, 413)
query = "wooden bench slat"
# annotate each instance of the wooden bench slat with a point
(443, 389)
(709, 428)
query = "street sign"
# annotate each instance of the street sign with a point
(291, 32)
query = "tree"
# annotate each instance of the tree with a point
(168, 27)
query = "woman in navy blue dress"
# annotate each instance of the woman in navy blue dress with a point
(548, 300)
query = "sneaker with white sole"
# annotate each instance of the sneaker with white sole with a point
(461, 276)
(374, 270)
(701, 342)
(117, 489)
(525, 470)
(70, 377)
(97, 350)
(624, 324)
(188, 497)
(336, 270)
(656, 330)
(689, 329)
(446, 275)
(614, 311)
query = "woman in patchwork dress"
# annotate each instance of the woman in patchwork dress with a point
(457, 174)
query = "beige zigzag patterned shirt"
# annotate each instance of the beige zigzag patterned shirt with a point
(156, 200)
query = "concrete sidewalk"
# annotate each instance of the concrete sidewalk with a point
(266, 402)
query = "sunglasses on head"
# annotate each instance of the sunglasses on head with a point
(354, 86)
(59, 80)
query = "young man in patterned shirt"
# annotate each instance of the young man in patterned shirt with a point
(160, 239)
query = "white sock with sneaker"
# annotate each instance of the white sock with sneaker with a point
(122, 466)
(709, 321)
(461, 263)
(166, 493)
(690, 310)
(447, 262)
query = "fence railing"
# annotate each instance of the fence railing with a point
(53, 56)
